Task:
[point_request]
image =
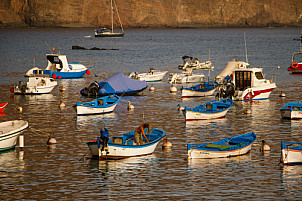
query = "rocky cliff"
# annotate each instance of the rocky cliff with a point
(151, 13)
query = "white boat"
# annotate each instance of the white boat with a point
(243, 83)
(38, 84)
(291, 153)
(151, 76)
(292, 110)
(185, 77)
(199, 90)
(104, 32)
(124, 146)
(58, 67)
(191, 62)
(101, 105)
(9, 132)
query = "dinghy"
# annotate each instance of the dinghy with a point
(118, 84)
(2, 107)
(9, 132)
(210, 110)
(232, 146)
(58, 67)
(191, 62)
(124, 146)
(292, 110)
(203, 89)
(291, 153)
(37, 84)
(101, 105)
(151, 76)
(185, 77)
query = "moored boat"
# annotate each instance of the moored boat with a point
(193, 63)
(151, 76)
(296, 65)
(101, 105)
(291, 153)
(210, 110)
(232, 146)
(2, 106)
(10, 131)
(58, 67)
(37, 84)
(199, 90)
(292, 110)
(124, 146)
(186, 77)
(117, 84)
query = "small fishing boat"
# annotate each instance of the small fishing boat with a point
(117, 84)
(185, 77)
(58, 67)
(101, 105)
(37, 84)
(292, 110)
(210, 110)
(296, 65)
(124, 146)
(203, 89)
(9, 132)
(2, 107)
(151, 76)
(232, 146)
(291, 153)
(191, 62)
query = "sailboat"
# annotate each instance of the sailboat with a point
(105, 32)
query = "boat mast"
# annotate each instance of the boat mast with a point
(118, 16)
(245, 49)
(111, 17)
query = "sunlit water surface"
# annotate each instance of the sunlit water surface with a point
(64, 171)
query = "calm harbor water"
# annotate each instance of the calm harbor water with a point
(64, 171)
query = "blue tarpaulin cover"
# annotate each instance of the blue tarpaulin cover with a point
(119, 83)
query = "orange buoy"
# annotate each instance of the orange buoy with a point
(88, 72)
(294, 64)
(167, 145)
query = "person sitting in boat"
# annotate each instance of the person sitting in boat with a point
(104, 137)
(100, 102)
(139, 132)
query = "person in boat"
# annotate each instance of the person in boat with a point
(104, 137)
(100, 102)
(139, 133)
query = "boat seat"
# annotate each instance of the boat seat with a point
(117, 140)
(236, 141)
(218, 146)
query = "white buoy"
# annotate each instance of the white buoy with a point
(130, 107)
(173, 89)
(248, 111)
(21, 141)
(51, 140)
(62, 105)
(282, 94)
(152, 88)
(167, 145)
(20, 109)
(264, 147)
(180, 108)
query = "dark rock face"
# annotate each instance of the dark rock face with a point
(151, 13)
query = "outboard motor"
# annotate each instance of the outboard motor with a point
(93, 89)
(22, 87)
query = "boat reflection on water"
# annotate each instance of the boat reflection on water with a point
(95, 119)
(197, 163)
(122, 165)
(32, 99)
(291, 179)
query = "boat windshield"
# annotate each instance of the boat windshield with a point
(297, 57)
(259, 75)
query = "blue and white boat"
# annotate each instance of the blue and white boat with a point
(210, 110)
(101, 105)
(199, 90)
(124, 146)
(232, 146)
(292, 110)
(118, 84)
(58, 67)
(291, 153)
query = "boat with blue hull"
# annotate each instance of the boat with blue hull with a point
(101, 105)
(199, 90)
(210, 110)
(117, 84)
(232, 146)
(292, 110)
(58, 67)
(291, 153)
(124, 146)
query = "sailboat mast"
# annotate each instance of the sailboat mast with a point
(111, 17)
(245, 49)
